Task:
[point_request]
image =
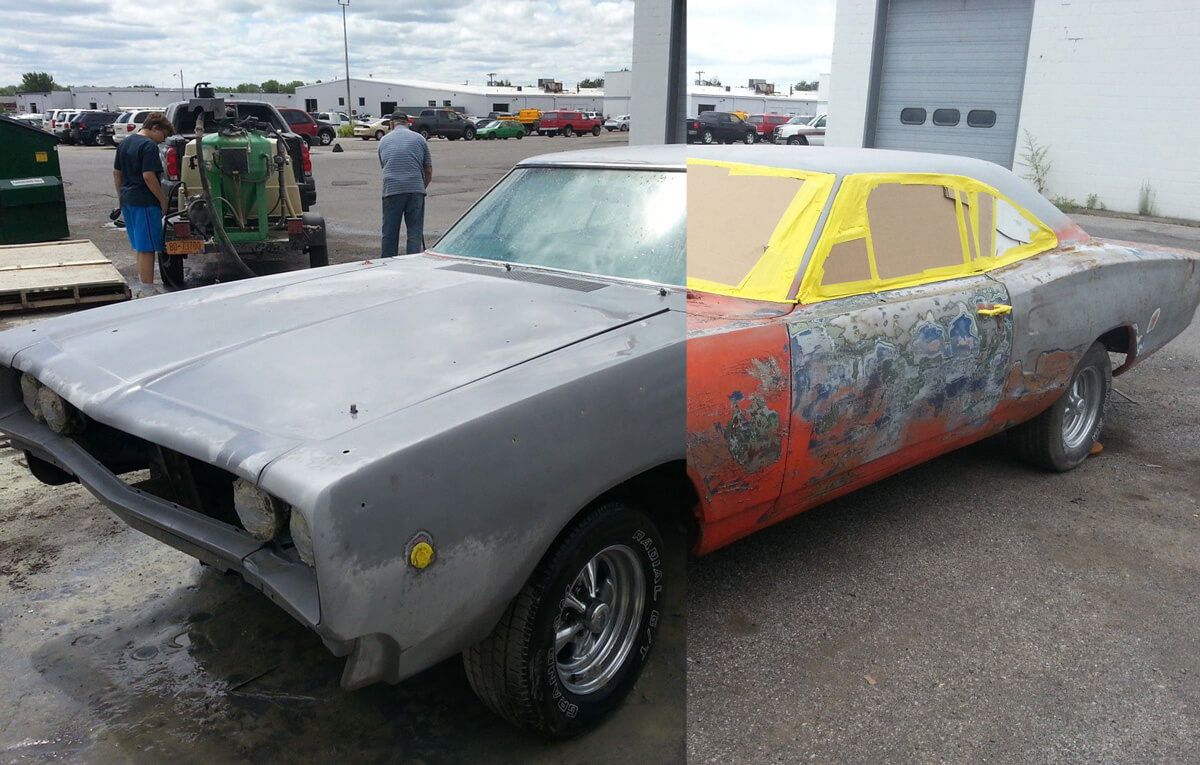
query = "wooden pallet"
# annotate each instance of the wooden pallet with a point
(57, 274)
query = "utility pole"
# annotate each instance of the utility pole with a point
(699, 76)
(491, 79)
(346, 48)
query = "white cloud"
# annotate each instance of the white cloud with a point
(126, 42)
(781, 42)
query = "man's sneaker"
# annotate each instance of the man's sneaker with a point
(141, 290)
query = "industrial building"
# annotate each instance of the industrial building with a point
(383, 96)
(116, 98)
(756, 97)
(1108, 87)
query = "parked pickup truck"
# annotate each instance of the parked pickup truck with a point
(720, 127)
(443, 123)
(568, 123)
(185, 130)
(802, 131)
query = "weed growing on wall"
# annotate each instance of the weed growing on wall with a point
(1146, 199)
(1036, 158)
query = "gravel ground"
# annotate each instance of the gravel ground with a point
(115, 648)
(974, 609)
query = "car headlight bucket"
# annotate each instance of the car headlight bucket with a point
(29, 394)
(302, 538)
(260, 513)
(58, 414)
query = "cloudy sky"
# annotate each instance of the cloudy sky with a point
(780, 42)
(126, 42)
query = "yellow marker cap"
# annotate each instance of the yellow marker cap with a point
(421, 555)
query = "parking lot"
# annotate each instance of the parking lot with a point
(115, 647)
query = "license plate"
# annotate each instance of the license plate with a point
(185, 246)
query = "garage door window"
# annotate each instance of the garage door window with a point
(946, 117)
(981, 118)
(913, 115)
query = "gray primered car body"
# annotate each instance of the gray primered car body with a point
(450, 397)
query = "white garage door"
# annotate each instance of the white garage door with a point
(952, 75)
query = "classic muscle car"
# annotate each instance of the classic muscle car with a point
(473, 450)
(852, 313)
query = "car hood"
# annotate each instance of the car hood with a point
(260, 366)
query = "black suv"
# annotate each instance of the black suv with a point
(185, 130)
(444, 123)
(720, 127)
(88, 127)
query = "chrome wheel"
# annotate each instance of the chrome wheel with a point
(597, 624)
(1084, 400)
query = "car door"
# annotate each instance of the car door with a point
(902, 349)
(818, 139)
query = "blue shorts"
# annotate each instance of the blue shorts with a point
(144, 227)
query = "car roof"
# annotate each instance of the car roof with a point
(818, 159)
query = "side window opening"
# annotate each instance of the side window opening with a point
(913, 229)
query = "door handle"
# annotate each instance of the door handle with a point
(997, 309)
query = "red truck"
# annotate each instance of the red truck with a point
(765, 124)
(568, 123)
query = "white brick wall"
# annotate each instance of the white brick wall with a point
(1112, 88)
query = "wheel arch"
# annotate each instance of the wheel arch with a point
(1122, 339)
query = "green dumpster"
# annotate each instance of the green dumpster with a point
(32, 205)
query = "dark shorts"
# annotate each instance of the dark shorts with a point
(144, 227)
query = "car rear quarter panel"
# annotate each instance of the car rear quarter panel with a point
(1065, 300)
(492, 472)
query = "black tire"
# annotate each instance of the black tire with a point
(424, 133)
(624, 128)
(520, 135)
(366, 137)
(515, 672)
(170, 270)
(596, 130)
(318, 256)
(1044, 440)
(797, 140)
(326, 137)
(568, 131)
(308, 139)
(706, 137)
(469, 134)
(751, 137)
(378, 135)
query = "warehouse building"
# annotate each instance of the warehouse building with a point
(1110, 88)
(756, 97)
(116, 98)
(380, 96)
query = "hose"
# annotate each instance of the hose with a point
(218, 224)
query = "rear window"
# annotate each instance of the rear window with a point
(551, 115)
(756, 119)
(141, 117)
(124, 117)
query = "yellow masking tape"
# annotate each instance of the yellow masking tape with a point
(848, 220)
(771, 278)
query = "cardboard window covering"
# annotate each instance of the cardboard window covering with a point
(914, 228)
(985, 211)
(731, 219)
(847, 262)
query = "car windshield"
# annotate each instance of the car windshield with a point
(799, 120)
(493, 123)
(629, 224)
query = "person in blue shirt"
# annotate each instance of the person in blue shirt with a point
(407, 171)
(136, 170)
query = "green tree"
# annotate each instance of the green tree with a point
(248, 87)
(272, 86)
(291, 86)
(38, 82)
(598, 82)
(8, 90)
(806, 85)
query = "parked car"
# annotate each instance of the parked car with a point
(500, 129)
(765, 124)
(620, 123)
(374, 129)
(129, 123)
(184, 122)
(567, 123)
(62, 125)
(443, 123)
(87, 128)
(802, 131)
(720, 127)
(509, 502)
(915, 303)
(52, 118)
(34, 120)
(336, 119)
(313, 131)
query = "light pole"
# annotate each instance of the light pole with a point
(346, 47)
(182, 92)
